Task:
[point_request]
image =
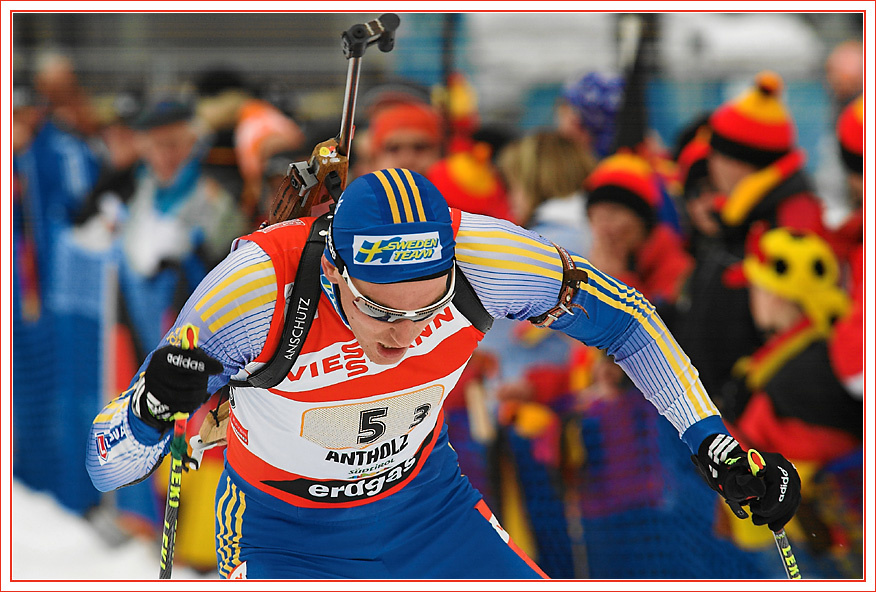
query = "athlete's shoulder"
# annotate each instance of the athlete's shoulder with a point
(289, 231)
(283, 242)
(495, 242)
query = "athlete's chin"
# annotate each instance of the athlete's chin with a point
(385, 356)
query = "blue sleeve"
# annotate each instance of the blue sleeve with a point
(518, 274)
(621, 321)
(231, 310)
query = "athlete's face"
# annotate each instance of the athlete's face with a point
(386, 343)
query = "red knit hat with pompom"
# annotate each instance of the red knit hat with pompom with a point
(693, 162)
(755, 127)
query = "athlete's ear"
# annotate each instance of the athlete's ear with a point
(330, 271)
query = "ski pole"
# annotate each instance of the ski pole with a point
(178, 451)
(789, 562)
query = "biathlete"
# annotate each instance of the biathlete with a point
(343, 469)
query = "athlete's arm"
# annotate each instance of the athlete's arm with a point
(517, 274)
(232, 310)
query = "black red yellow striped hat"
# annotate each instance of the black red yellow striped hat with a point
(755, 127)
(627, 179)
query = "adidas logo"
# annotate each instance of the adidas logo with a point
(185, 362)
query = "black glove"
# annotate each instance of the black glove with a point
(782, 498)
(773, 494)
(175, 381)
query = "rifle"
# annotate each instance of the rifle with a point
(311, 187)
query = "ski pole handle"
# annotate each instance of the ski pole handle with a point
(757, 465)
(178, 451)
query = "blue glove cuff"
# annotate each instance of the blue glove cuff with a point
(695, 434)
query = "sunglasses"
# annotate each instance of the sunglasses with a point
(390, 315)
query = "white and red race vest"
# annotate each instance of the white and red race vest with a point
(340, 431)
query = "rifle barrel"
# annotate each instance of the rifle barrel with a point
(345, 136)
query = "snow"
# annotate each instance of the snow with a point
(52, 543)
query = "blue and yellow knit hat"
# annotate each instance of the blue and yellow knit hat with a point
(391, 226)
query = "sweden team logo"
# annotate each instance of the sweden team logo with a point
(398, 249)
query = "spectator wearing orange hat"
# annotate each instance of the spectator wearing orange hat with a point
(755, 164)
(242, 132)
(849, 236)
(405, 135)
(628, 241)
(468, 175)
(850, 133)
(469, 179)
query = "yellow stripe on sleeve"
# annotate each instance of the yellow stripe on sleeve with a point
(240, 310)
(702, 404)
(475, 234)
(231, 279)
(249, 287)
(107, 413)
(492, 247)
(390, 195)
(512, 265)
(615, 287)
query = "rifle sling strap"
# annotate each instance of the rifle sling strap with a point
(304, 299)
(300, 310)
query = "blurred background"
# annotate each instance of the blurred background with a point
(517, 63)
(146, 142)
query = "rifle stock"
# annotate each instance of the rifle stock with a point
(311, 187)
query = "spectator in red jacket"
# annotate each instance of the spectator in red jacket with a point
(628, 242)
(847, 343)
(797, 404)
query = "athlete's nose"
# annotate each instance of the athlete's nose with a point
(404, 332)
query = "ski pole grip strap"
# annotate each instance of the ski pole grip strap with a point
(301, 305)
(572, 280)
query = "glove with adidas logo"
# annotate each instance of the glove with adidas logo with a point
(175, 381)
(772, 491)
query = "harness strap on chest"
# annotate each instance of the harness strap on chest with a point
(300, 310)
